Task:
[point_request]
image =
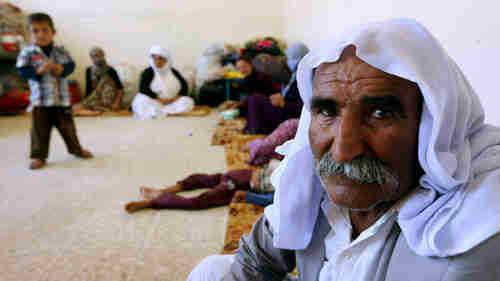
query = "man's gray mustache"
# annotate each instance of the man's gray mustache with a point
(364, 169)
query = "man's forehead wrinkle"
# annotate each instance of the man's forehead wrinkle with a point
(357, 74)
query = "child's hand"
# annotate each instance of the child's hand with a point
(57, 69)
(44, 68)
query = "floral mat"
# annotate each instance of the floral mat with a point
(235, 154)
(123, 112)
(241, 216)
(240, 221)
(198, 111)
(226, 129)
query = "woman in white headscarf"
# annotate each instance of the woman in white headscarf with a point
(163, 90)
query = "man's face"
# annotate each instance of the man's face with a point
(159, 61)
(42, 33)
(244, 67)
(359, 112)
(98, 58)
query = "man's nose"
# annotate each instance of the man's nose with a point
(348, 141)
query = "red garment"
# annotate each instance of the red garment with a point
(74, 91)
(14, 101)
(223, 188)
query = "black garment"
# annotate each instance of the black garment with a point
(111, 72)
(29, 72)
(43, 118)
(212, 93)
(147, 77)
(47, 50)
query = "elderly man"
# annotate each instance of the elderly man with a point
(392, 175)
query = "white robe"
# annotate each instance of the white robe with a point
(167, 86)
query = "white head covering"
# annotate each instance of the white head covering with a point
(294, 53)
(458, 204)
(209, 64)
(164, 83)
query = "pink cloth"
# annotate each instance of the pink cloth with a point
(262, 150)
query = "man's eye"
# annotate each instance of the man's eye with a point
(327, 112)
(380, 113)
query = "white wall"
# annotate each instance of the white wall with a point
(126, 29)
(469, 31)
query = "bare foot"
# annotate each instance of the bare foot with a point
(148, 193)
(136, 206)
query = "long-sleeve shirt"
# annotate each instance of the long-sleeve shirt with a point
(46, 89)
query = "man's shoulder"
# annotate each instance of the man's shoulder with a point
(483, 255)
(479, 263)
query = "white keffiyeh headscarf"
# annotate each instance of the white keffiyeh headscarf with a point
(165, 84)
(458, 204)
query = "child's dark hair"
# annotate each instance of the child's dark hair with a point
(41, 17)
(246, 58)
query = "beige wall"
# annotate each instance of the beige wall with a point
(469, 31)
(127, 28)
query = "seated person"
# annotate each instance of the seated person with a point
(252, 83)
(265, 113)
(393, 174)
(103, 87)
(163, 90)
(210, 83)
(223, 187)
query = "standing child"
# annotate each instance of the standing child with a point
(46, 66)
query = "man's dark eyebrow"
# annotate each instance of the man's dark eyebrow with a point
(391, 101)
(319, 102)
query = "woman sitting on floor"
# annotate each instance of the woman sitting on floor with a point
(210, 83)
(104, 88)
(265, 113)
(254, 83)
(163, 90)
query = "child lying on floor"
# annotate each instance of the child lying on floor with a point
(238, 185)
(228, 185)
